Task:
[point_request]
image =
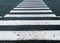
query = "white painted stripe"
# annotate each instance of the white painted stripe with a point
(29, 11)
(32, 8)
(58, 16)
(33, 5)
(30, 15)
(0, 16)
(29, 22)
(30, 35)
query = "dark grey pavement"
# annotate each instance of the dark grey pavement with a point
(7, 5)
(54, 5)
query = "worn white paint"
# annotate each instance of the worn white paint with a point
(30, 35)
(0, 16)
(29, 22)
(29, 11)
(31, 8)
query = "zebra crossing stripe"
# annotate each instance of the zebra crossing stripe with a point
(29, 11)
(29, 22)
(0, 16)
(32, 5)
(32, 8)
(30, 35)
(30, 15)
(58, 16)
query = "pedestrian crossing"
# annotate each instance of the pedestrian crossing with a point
(28, 8)
(27, 19)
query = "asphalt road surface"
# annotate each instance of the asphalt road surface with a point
(37, 20)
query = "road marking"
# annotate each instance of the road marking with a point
(32, 8)
(30, 35)
(30, 15)
(29, 22)
(0, 16)
(58, 16)
(29, 11)
(33, 5)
